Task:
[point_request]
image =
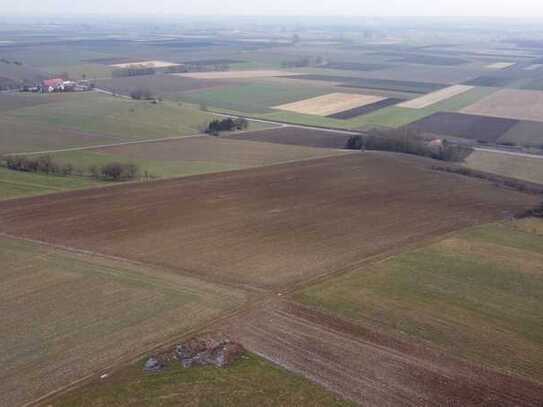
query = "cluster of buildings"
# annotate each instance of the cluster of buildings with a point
(59, 85)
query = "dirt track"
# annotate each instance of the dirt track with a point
(370, 368)
(269, 227)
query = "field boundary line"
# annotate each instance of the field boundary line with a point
(124, 143)
(167, 343)
(376, 258)
(99, 146)
(170, 179)
(204, 277)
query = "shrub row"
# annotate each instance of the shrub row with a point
(113, 171)
(408, 141)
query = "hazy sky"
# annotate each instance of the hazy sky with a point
(497, 8)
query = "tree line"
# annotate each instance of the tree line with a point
(216, 126)
(44, 164)
(408, 141)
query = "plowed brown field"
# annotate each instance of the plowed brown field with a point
(268, 227)
(370, 368)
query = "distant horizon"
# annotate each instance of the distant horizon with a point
(519, 10)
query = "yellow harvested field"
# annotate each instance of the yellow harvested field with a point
(510, 104)
(146, 64)
(330, 104)
(435, 97)
(500, 65)
(508, 165)
(235, 74)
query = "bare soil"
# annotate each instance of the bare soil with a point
(371, 368)
(267, 227)
(469, 126)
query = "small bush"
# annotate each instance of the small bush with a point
(355, 143)
(228, 124)
(117, 171)
(141, 94)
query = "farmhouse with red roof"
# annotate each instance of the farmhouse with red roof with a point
(52, 85)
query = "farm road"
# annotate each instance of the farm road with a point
(370, 367)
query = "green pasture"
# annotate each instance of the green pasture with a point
(476, 295)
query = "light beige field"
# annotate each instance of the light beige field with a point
(508, 165)
(330, 104)
(533, 67)
(511, 104)
(435, 97)
(146, 64)
(500, 65)
(235, 74)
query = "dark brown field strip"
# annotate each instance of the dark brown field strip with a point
(362, 110)
(473, 127)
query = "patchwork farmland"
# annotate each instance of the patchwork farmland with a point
(331, 104)
(189, 182)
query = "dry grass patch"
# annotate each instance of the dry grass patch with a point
(508, 165)
(330, 104)
(500, 65)
(236, 74)
(146, 64)
(435, 97)
(510, 103)
(67, 315)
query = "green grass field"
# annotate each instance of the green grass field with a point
(124, 119)
(156, 168)
(251, 381)
(49, 122)
(476, 295)
(192, 155)
(70, 314)
(256, 97)
(16, 184)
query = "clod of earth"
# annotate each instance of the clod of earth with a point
(208, 351)
(152, 365)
